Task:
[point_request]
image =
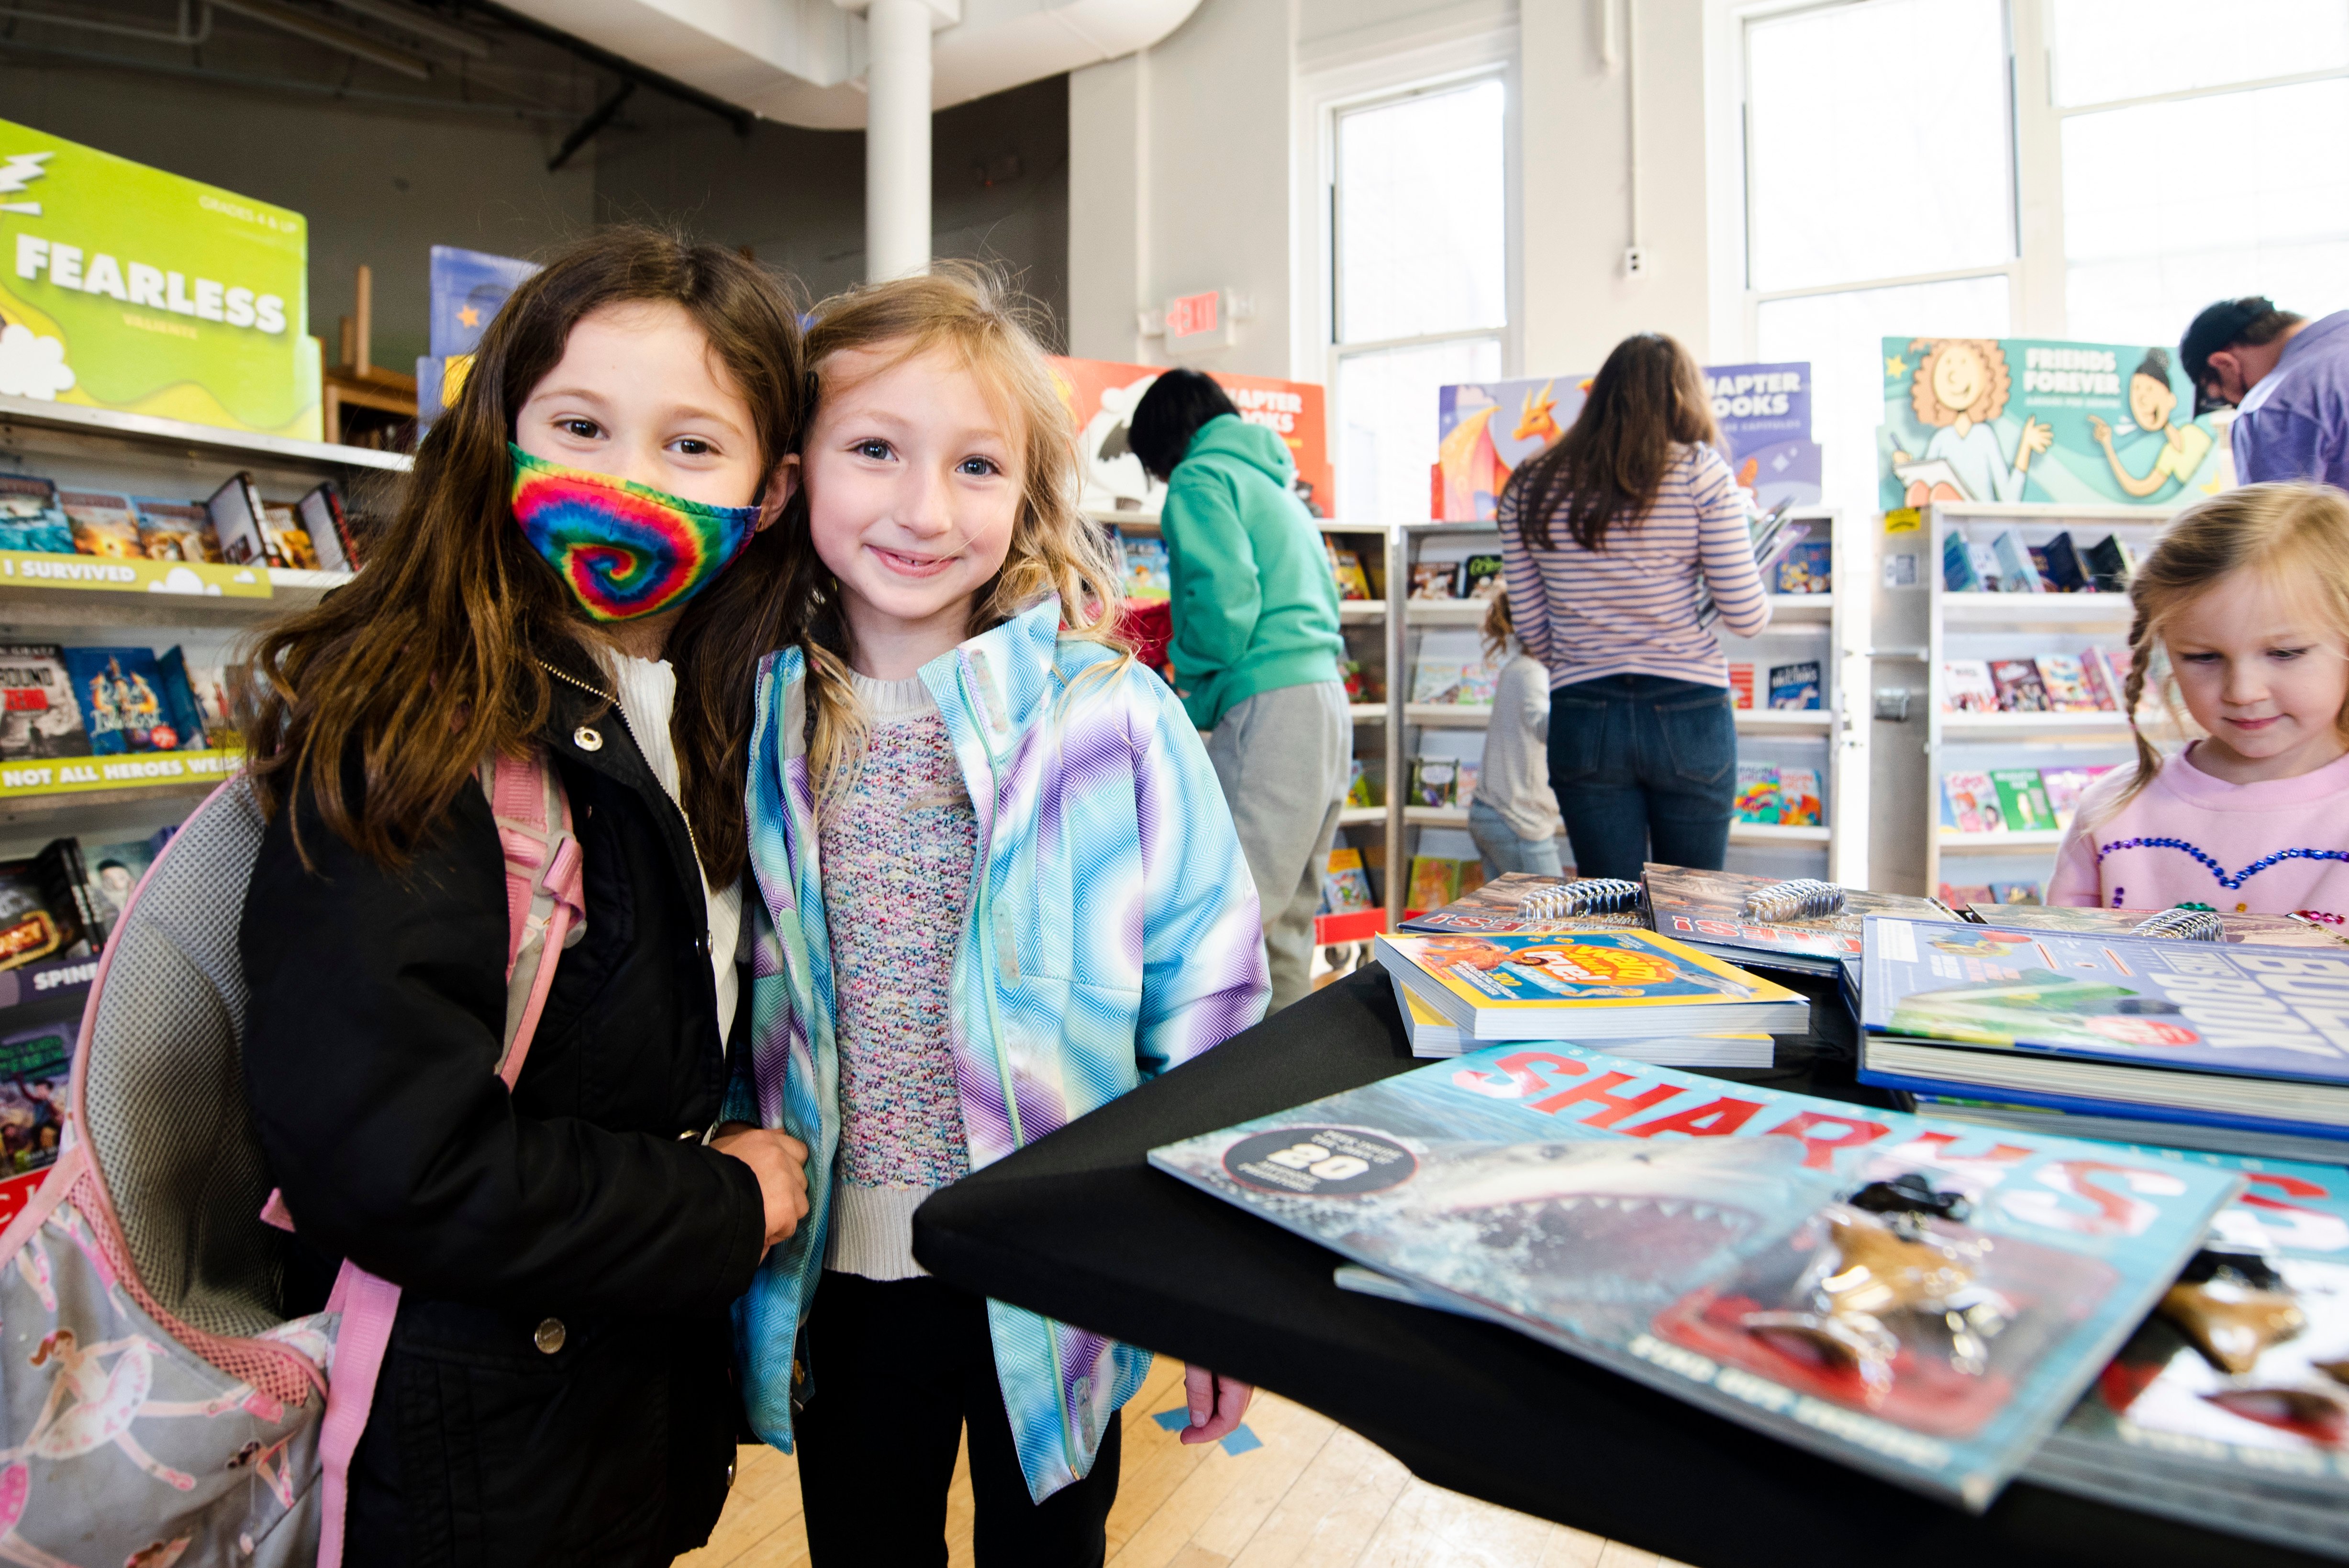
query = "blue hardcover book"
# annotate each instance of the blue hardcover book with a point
(133, 701)
(1807, 568)
(2220, 1028)
(468, 289)
(2229, 1406)
(1922, 1300)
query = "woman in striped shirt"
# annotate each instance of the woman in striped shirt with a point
(1608, 536)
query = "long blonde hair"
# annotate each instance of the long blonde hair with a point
(2296, 535)
(970, 313)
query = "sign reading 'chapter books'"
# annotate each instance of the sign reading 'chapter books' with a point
(130, 289)
(2025, 419)
(1101, 396)
(1485, 429)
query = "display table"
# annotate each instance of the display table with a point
(1079, 1227)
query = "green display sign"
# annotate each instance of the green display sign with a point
(124, 287)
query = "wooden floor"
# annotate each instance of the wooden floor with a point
(1314, 1496)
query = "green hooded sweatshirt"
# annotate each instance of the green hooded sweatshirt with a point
(1256, 605)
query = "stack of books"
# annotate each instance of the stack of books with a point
(2091, 681)
(1716, 912)
(2239, 1047)
(1596, 985)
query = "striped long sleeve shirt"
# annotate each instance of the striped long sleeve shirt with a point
(1631, 607)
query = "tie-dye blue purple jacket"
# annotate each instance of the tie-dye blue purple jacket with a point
(1111, 932)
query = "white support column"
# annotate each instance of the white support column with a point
(897, 139)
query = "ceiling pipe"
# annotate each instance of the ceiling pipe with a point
(897, 139)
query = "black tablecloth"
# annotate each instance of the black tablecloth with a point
(1079, 1227)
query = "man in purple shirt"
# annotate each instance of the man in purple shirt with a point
(2288, 379)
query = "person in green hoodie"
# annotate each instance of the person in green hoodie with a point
(1256, 647)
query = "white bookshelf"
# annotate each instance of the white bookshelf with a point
(1991, 627)
(1830, 629)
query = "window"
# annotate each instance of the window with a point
(1419, 276)
(1878, 201)
(2174, 152)
(2190, 173)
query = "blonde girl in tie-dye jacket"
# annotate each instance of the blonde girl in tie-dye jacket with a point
(1000, 884)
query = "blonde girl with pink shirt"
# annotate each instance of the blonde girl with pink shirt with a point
(2242, 619)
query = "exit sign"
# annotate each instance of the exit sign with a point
(1198, 321)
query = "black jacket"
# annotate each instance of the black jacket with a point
(581, 1211)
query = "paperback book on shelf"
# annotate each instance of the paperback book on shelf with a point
(2017, 683)
(102, 523)
(1433, 1035)
(1706, 910)
(1966, 686)
(1493, 906)
(1806, 567)
(40, 716)
(1435, 579)
(2067, 683)
(2022, 799)
(1757, 792)
(1366, 783)
(2064, 786)
(1346, 566)
(2009, 895)
(1436, 681)
(1796, 686)
(30, 517)
(1588, 985)
(2065, 574)
(2240, 1036)
(44, 905)
(1920, 1301)
(2109, 562)
(2017, 572)
(39, 1023)
(174, 531)
(2230, 1404)
(1959, 574)
(113, 871)
(1798, 797)
(1970, 803)
(1480, 577)
(1740, 685)
(134, 701)
(1436, 879)
(329, 527)
(1433, 780)
(1346, 884)
(238, 525)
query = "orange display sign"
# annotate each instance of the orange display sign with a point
(1101, 394)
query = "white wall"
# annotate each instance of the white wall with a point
(1182, 174)
(1578, 303)
(1179, 181)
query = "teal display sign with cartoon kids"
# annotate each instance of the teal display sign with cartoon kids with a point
(2027, 419)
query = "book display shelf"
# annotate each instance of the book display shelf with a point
(1985, 743)
(1818, 641)
(76, 601)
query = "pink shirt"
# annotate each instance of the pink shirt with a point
(2280, 847)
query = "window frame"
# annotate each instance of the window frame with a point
(1323, 98)
(2037, 274)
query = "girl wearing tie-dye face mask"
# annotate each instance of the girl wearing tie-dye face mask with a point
(580, 564)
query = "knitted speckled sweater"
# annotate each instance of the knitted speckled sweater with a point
(896, 854)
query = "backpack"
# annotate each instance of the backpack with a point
(155, 1407)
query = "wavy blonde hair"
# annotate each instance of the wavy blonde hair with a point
(1994, 393)
(2294, 536)
(972, 315)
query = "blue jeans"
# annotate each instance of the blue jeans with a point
(1644, 767)
(1501, 848)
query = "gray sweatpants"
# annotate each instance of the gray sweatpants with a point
(1283, 757)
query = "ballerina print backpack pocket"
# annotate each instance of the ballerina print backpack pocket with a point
(156, 1409)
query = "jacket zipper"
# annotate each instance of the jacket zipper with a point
(619, 708)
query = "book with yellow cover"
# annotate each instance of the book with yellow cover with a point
(1434, 1035)
(1585, 986)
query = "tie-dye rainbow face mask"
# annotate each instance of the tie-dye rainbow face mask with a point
(624, 549)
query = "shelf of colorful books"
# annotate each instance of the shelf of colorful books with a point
(1955, 841)
(1448, 714)
(1785, 720)
(1777, 833)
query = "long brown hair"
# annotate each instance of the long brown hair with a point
(970, 313)
(442, 652)
(2295, 535)
(1648, 397)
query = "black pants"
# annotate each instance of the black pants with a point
(899, 1368)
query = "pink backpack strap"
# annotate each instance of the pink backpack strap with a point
(544, 914)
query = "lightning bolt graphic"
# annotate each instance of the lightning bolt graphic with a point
(17, 171)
